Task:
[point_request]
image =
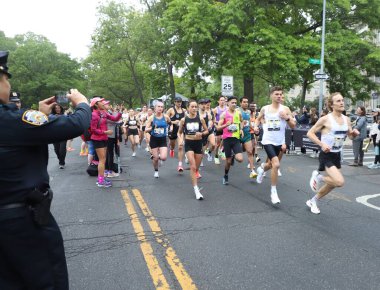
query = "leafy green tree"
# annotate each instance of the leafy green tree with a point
(39, 70)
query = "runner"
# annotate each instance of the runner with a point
(175, 114)
(218, 111)
(147, 134)
(246, 139)
(231, 124)
(157, 125)
(275, 117)
(124, 117)
(194, 128)
(334, 128)
(131, 124)
(143, 116)
(210, 145)
(254, 137)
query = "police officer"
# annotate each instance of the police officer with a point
(15, 98)
(31, 245)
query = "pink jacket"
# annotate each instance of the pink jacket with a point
(97, 131)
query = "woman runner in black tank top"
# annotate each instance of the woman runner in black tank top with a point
(194, 127)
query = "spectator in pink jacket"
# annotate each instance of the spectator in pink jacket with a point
(99, 135)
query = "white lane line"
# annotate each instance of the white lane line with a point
(364, 200)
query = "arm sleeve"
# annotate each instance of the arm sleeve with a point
(360, 123)
(95, 128)
(114, 118)
(64, 128)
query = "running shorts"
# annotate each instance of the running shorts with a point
(246, 138)
(230, 145)
(193, 145)
(205, 139)
(328, 160)
(173, 135)
(99, 144)
(157, 142)
(272, 150)
(133, 132)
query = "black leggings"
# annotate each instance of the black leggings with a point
(111, 149)
(60, 151)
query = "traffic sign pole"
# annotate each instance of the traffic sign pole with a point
(322, 58)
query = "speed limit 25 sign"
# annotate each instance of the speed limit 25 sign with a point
(227, 86)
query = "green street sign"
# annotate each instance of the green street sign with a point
(314, 61)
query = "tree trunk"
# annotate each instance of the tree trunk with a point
(248, 88)
(192, 87)
(303, 94)
(171, 80)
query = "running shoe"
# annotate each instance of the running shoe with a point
(198, 175)
(223, 155)
(70, 149)
(134, 154)
(105, 183)
(279, 172)
(147, 149)
(61, 166)
(313, 206)
(186, 160)
(207, 150)
(274, 196)
(209, 157)
(171, 153)
(253, 174)
(198, 194)
(260, 175)
(180, 168)
(258, 159)
(156, 174)
(248, 166)
(314, 181)
(225, 180)
(82, 154)
(216, 160)
(201, 165)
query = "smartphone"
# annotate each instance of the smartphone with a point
(61, 98)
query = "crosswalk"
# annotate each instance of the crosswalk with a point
(348, 155)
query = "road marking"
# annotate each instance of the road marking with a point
(181, 274)
(363, 199)
(337, 195)
(156, 273)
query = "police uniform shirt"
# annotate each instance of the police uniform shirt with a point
(24, 140)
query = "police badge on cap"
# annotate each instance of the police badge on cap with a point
(3, 63)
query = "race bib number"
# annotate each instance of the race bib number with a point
(245, 123)
(159, 131)
(232, 128)
(132, 123)
(338, 142)
(274, 125)
(192, 128)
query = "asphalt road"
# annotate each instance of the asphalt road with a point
(146, 233)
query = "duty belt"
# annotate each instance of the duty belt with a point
(12, 205)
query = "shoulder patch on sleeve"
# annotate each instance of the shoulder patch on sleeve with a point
(35, 118)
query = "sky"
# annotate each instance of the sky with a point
(68, 24)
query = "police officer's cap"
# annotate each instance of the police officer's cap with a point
(14, 97)
(3, 63)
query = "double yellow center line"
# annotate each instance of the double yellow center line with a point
(172, 259)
